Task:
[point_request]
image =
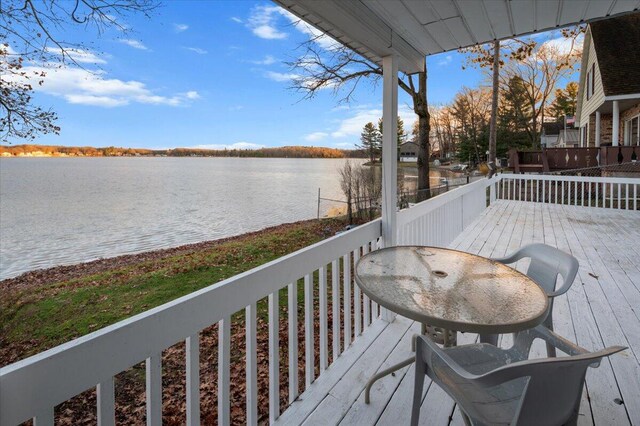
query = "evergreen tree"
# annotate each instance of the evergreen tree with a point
(566, 101)
(371, 141)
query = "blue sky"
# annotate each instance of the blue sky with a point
(211, 75)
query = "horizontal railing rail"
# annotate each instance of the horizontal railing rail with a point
(588, 191)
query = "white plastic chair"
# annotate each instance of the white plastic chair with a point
(546, 264)
(500, 386)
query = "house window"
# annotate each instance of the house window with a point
(632, 131)
(593, 73)
(588, 84)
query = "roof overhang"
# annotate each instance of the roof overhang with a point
(413, 29)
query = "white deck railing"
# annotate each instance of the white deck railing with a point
(33, 387)
(605, 192)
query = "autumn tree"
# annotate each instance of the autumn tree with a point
(565, 102)
(340, 69)
(370, 141)
(36, 33)
(472, 108)
(539, 74)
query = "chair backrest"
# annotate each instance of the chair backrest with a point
(531, 392)
(546, 263)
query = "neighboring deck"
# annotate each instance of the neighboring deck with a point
(601, 309)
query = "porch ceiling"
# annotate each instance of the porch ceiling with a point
(413, 29)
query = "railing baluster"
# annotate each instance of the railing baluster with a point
(335, 306)
(292, 294)
(375, 309)
(611, 196)
(44, 418)
(105, 394)
(635, 197)
(309, 362)
(346, 286)
(322, 277)
(525, 189)
(357, 299)
(274, 356)
(192, 355)
(224, 358)
(154, 389)
(251, 365)
(626, 186)
(365, 299)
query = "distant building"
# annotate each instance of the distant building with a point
(568, 139)
(608, 111)
(409, 152)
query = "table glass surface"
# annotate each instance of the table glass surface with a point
(452, 289)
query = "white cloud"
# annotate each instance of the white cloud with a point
(79, 55)
(192, 94)
(263, 20)
(197, 50)
(268, 60)
(445, 61)
(316, 136)
(236, 19)
(281, 77)
(351, 127)
(133, 43)
(235, 107)
(237, 145)
(564, 45)
(180, 27)
(268, 32)
(80, 86)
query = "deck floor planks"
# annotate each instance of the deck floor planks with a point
(612, 323)
(350, 386)
(588, 314)
(591, 313)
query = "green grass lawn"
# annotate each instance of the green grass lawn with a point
(35, 319)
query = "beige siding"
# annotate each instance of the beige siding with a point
(589, 106)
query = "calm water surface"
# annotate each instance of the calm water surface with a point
(60, 211)
(56, 211)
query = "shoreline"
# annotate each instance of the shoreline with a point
(47, 276)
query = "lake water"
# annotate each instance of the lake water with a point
(56, 211)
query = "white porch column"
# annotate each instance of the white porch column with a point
(616, 124)
(389, 149)
(597, 128)
(389, 158)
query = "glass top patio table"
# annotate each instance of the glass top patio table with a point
(451, 289)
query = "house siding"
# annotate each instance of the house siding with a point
(597, 99)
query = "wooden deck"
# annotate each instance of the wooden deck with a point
(601, 309)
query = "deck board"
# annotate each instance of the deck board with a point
(602, 308)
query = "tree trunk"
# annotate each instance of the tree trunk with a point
(493, 128)
(421, 108)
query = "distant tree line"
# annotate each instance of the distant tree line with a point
(111, 151)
